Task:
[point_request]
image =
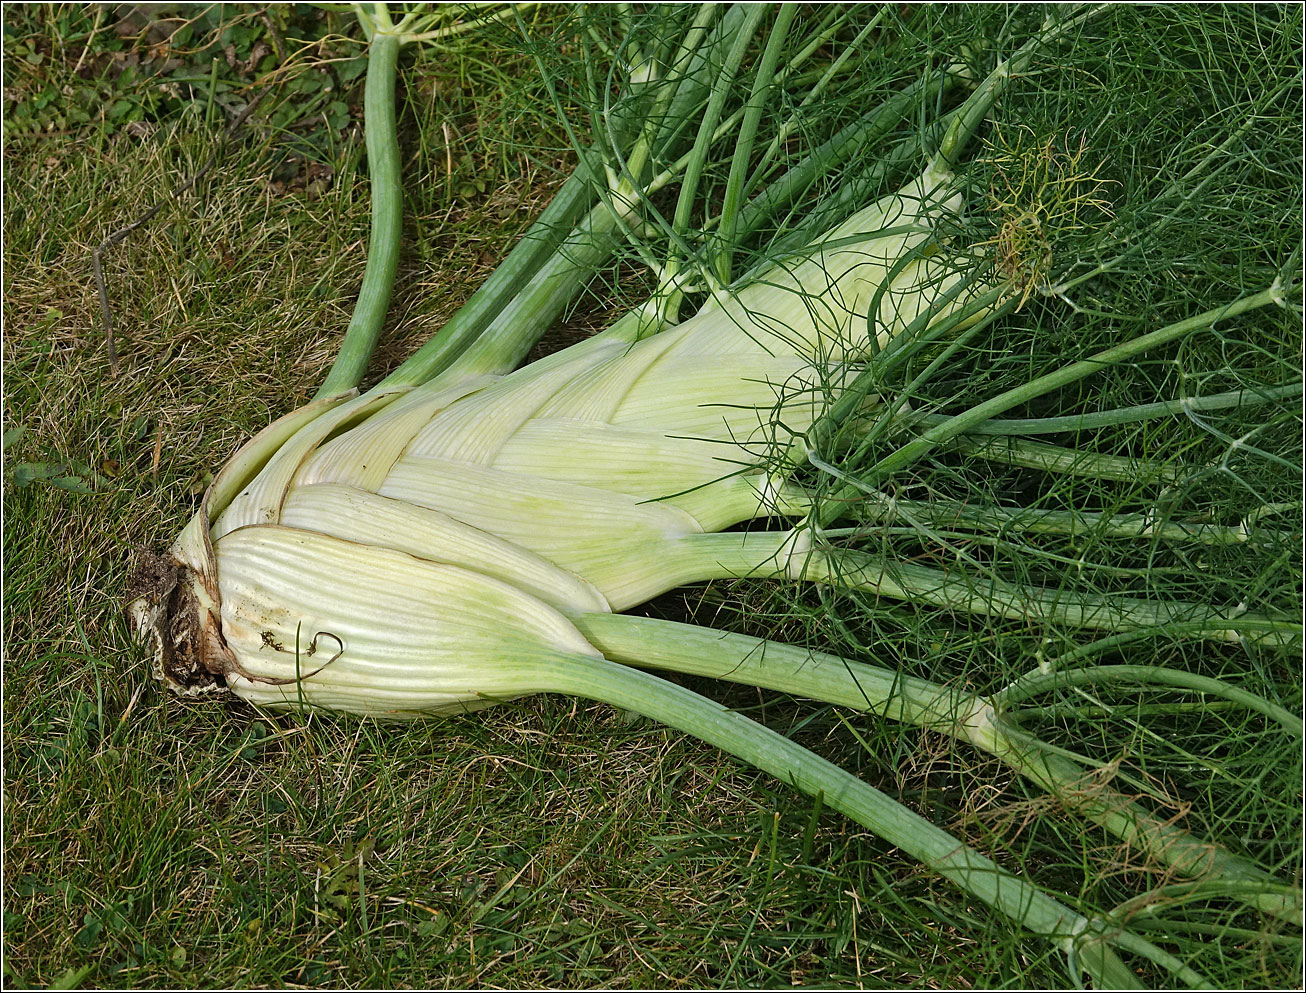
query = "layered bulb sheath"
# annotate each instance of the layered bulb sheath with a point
(418, 550)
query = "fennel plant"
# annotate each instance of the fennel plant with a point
(860, 339)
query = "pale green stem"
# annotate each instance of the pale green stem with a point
(675, 95)
(1075, 371)
(715, 104)
(852, 49)
(387, 219)
(965, 716)
(1197, 629)
(537, 247)
(842, 416)
(764, 78)
(852, 194)
(1034, 683)
(1016, 898)
(983, 311)
(1059, 459)
(669, 290)
(1235, 399)
(779, 554)
(542, 274)
(507, 338)
(684, 86)
(880, 509)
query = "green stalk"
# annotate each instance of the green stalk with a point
(796, 180)
(1075, 371)
(993, 597)
(1198, 629)
(566, 245)
(387, 219)
(1057, 458)
(1235, 399)
(850, 139)
(541, 241)
(715, 104)
(669, 292)
(619, 188)
(848, 197)
(684, 87)
(559, 252)
(954, 514)
(676, 96)
(1018, 899)
(965, 716)
(747, 134)
(850, 50)
(509, 336)
(1035, 683)
(779, 554)
(852, 399)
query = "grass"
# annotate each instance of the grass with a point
(543, 843)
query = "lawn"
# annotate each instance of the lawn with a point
(558, 843)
